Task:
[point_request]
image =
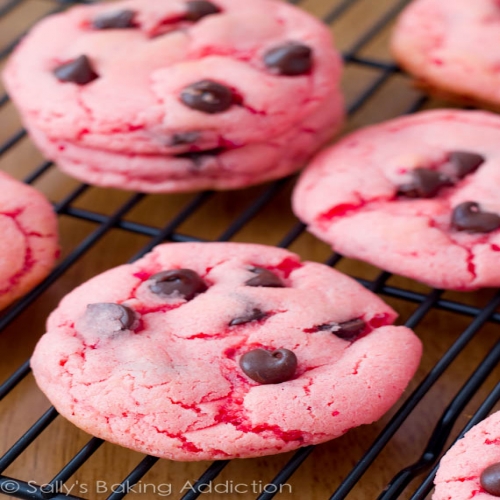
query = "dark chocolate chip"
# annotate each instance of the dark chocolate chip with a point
(78, 71)
(196, 9)
(116, 19)
(468, 217)
(291, 59)
(425, 183)
(348, 330)
(264, 278)
(465, 163)
(183, 282)
(197, 157)
(490, 479)
(255, 315)
(268, 367)
(207, 96)
(184, 138)
(111, 317)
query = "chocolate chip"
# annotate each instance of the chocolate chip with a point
(111, 317)
(207, 96)
(465, 163)
(490, 479)
(468, 217)
(183, 282)
(196, 9)
(291, 59)
(268, 367)
(184, 138)
(264, 278)
(77, 71)
(348, 330)
(255, 315)
(425, 183)
(197, 157)
(116, 19)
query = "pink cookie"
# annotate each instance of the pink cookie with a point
(219, 350)
(417, 196)
(471, 468)
(28, 247)
(227, 169)
(452, 47)
(171, 95)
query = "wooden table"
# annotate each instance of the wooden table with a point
(389, 94)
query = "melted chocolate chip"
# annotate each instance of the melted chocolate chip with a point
(268, 367)
(183, 282)
(291, 59)
(264, 278)
(184, 138)
(207, 96)
(77, 71)
(348, 330)
(468, 217)
(196, 9)
(490, 479)
(116, 19)
(197, 157)
(111, 317)
(425, 183)
(464, 162)
(255, 315)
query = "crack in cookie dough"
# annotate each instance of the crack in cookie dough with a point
(169, 383)
(28, 261)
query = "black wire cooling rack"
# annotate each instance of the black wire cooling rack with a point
(423, 467)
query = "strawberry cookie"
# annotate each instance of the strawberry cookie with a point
(471, 468)
(202, 351)
(28, 248)
(416, 196)
(178, 95)
(451, 48)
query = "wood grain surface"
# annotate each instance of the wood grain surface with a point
(323, 471)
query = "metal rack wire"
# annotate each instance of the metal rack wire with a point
(425, 303)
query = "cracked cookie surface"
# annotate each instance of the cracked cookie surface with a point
(416, 196)
(452, 47)
(29, 245)
(154, 355)
(127, 103)
(461, 473)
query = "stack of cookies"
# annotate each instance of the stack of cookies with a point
(178, 95)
